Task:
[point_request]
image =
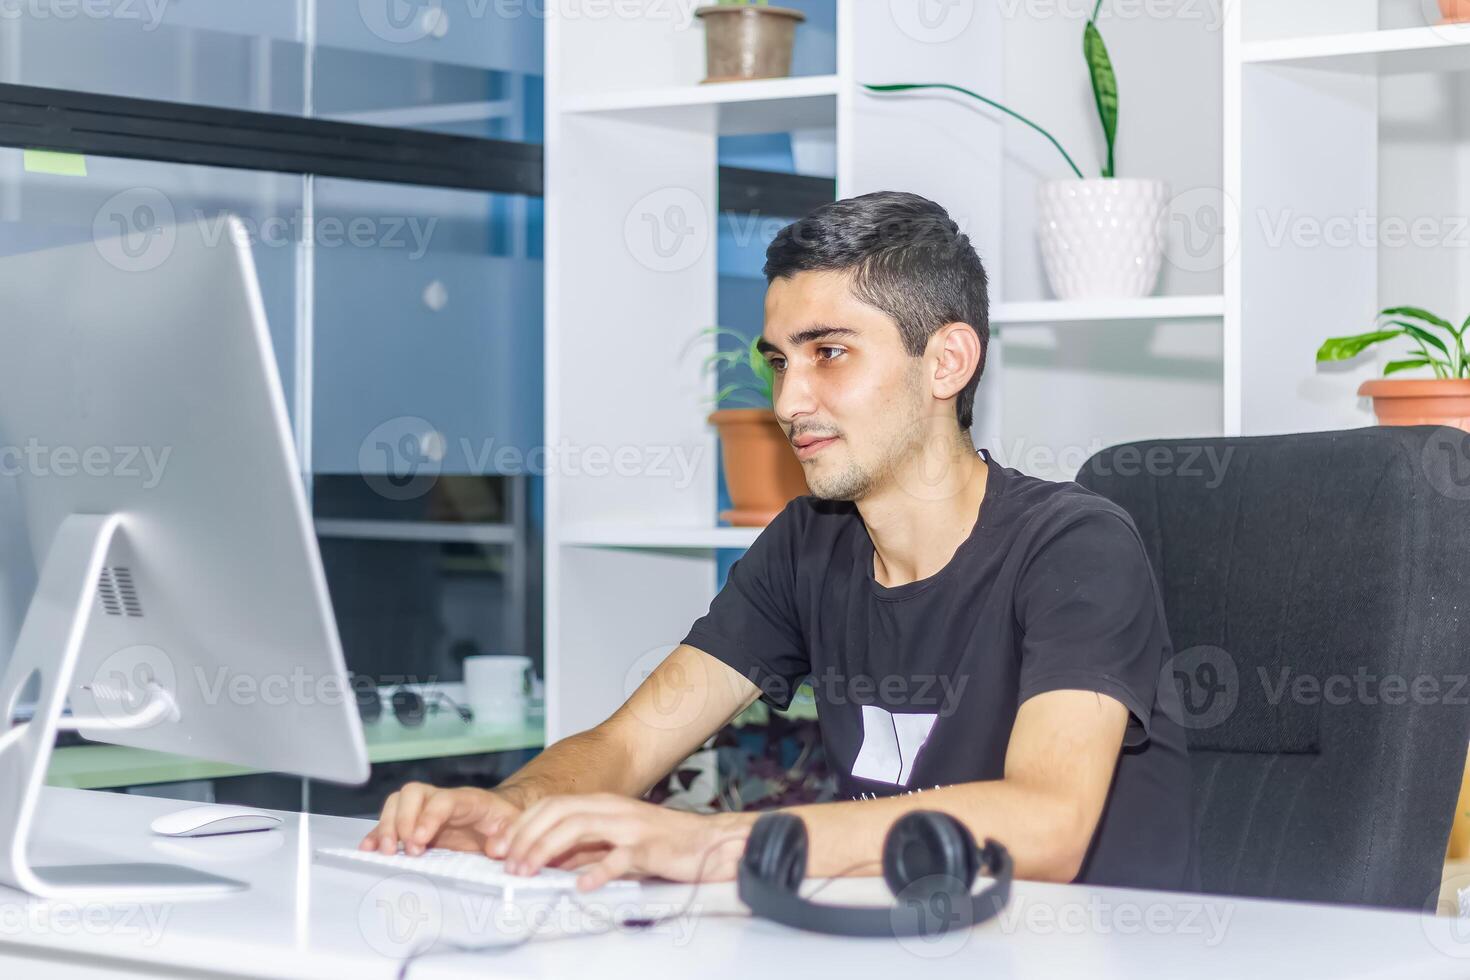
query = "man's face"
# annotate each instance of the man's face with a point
(847, 394)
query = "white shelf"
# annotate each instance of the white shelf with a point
(427, 531)
(1396, 52)
(656, 536)
(1104, 310)
(770, 105)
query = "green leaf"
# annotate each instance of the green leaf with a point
(1416, 313)
(1344, 348)
(988, 101)
(1104, 87)
(1393, 367)
(1419, 333)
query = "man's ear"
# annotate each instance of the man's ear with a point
(956, 350)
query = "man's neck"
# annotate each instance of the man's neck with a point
(923, 514)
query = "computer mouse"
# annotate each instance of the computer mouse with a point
(204, 821)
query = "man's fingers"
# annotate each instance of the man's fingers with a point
(385, 839)
(410, 803)
(543, 814)
(619, 861)
(439, 809)
(576, 829)
(580, 856)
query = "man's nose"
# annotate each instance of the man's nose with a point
(793, 397)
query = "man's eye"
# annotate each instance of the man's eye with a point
(836, 352)
(778, 364)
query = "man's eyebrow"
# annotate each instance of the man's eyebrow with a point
(818, 332)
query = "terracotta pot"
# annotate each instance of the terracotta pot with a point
(762, 472)
(1420, 401)
(744, 42)
(1455, 11)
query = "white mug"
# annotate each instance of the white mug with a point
(496, 687)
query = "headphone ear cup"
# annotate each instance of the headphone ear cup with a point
(926, 844)
(775, 851)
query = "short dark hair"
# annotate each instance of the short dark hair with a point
(908, 259)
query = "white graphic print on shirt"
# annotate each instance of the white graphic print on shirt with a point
(891, 743)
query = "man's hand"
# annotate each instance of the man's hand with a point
(422, 816)
(633, 838)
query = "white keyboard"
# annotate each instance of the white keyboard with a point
(466, 870)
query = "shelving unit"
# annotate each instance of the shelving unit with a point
(739, 108)
(1407, 50)
(1343, 121)
(657, 536)
(1105, 311)
(632, 142)
(631, 276)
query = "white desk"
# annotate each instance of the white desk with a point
(348, 925)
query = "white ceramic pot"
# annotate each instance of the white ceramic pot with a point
(1102, 238)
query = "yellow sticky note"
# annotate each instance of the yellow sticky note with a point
(51, 162)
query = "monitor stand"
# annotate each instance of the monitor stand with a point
(47, 649)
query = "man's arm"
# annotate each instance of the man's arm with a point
(1059, 765)
(685, 700)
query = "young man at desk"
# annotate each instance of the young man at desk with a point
(979, 641)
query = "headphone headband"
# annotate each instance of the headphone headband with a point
(916, 914)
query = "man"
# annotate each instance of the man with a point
(979, 642)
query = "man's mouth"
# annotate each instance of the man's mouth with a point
(809, 446)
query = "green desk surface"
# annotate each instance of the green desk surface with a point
(107, 766)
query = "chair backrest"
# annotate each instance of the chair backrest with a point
(1317, 589)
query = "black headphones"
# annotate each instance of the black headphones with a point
(930, 861)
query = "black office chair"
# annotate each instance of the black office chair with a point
(1343, 558)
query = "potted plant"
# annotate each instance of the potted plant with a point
(1438, 345)
(1102, 237)
(1454, 11)
(762, 472)
(746, 39)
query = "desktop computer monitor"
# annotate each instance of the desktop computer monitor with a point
(180, 602)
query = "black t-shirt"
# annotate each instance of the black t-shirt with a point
(917, 686)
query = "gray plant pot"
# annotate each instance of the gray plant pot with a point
(744, 42)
